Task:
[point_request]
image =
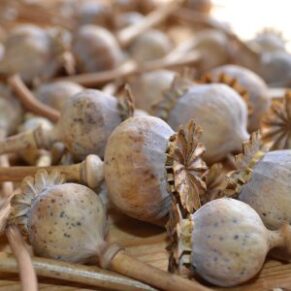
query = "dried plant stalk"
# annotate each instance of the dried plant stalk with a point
(30, 102)
(26, 270)
(76, 273)
(94, 79)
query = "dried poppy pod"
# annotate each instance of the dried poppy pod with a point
(127, 19)
(256, 88)
(217, 108)
(229, 242)
(275, 125)
(55, 94)
(67, 221)
(136, 162)
(158, 81)
(87, 120)
(89, 172)
(275, 68)
(95, 49)
(149, 46)
(212, 45)
(261, 180)
(96, 13)
(35, 53)
(268, 40)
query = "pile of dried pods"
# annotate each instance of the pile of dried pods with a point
(147, 113)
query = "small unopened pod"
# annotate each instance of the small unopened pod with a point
(55, 94)
(158, 82)
(34, 52)
(230, 242)
(256, 87)
(87, 120)
(67, 221)
(217, 108)
(137, 159)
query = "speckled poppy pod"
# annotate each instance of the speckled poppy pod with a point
(86, 122)
(138, 155)
(67, 221)
(55, 94)
(217, 108)
(262, 181)
(36, 53)
(229, 242)
(259, 99)
(276, 124)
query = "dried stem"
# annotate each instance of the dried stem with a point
(27, 273)
(30, 102)
(76, 273)
(89, 172)
(126, 35)
(129, 266)
(95, 79)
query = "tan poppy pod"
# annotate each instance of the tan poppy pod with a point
(150, 46)
(217, 108)
(256, 87)
(127, 19)
(67, 221)
(55, 94)
(35, 53)
(86, 122)
(136, 161)
(95, 49)
(158, 81)
(230, 242)
(261, 180)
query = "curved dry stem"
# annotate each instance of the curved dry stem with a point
(127, 35)
(17, 244)
(76, 273)
(95, 79)
(30, 102)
